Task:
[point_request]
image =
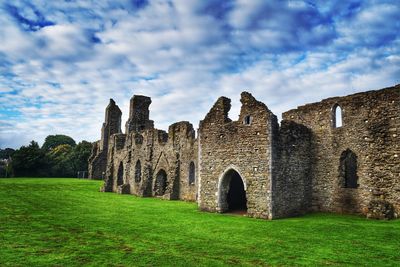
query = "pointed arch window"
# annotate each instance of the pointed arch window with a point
(138, 172)
(337, 116)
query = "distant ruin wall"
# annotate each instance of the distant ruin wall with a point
(111, 125)
(151, 162)
(97, 162)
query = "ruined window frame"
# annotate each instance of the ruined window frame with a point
(192, 173)
(120, 174)
(334, 116)
(138, 171)
(248, 119)
(345, 181)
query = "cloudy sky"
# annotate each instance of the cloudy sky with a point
(61, 61)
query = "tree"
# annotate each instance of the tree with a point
(80, 156)
(29, 161)
(53, 141)
(61, 161)
(6, 153)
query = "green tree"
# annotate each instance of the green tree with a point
(61, 161)
(80, 156)
(29, 161)
(6, 153)
(53, 141)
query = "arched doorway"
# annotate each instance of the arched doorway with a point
(160, 185)
(232, 193)
(120, 175)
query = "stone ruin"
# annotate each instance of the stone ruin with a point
(339, 155)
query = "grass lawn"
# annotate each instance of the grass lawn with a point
(68, 222)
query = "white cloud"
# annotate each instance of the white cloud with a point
(57, 79)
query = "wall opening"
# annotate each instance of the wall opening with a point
(348, 169)
(138, 172)
(337, 116)
(192, 173)
(232, 194)
(247, 120)
(120, 175)
(160, 185)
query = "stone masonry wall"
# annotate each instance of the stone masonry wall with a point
(135, 159)
(291, 188)
(308, 163)
(237, 145)
(371, 129)
(111, 125)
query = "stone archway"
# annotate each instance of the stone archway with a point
(232, 192)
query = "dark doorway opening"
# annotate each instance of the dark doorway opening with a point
(348, 169)
(236, 197)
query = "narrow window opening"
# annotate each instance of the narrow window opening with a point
(120, 175)
(247, 120)
(192, 174)
(138, 172)
(337, 116)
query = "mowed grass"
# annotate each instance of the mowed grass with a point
(68, 222)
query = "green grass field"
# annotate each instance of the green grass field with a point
(68, 222)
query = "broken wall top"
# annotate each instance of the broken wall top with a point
(251, 111)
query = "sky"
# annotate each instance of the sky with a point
(61, 61)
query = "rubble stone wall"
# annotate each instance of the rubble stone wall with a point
(370, 129)
(238, 145)
(291, 188)
(308, 163)
(144, 152)
(111, 125)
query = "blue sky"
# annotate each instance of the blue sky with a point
(61, 61)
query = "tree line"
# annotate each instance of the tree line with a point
(59, 156)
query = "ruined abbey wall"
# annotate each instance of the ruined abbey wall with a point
(254, 165)
(370, 129)
(150, 162)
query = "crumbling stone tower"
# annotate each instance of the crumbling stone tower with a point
(139, 114)
(111, 125)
